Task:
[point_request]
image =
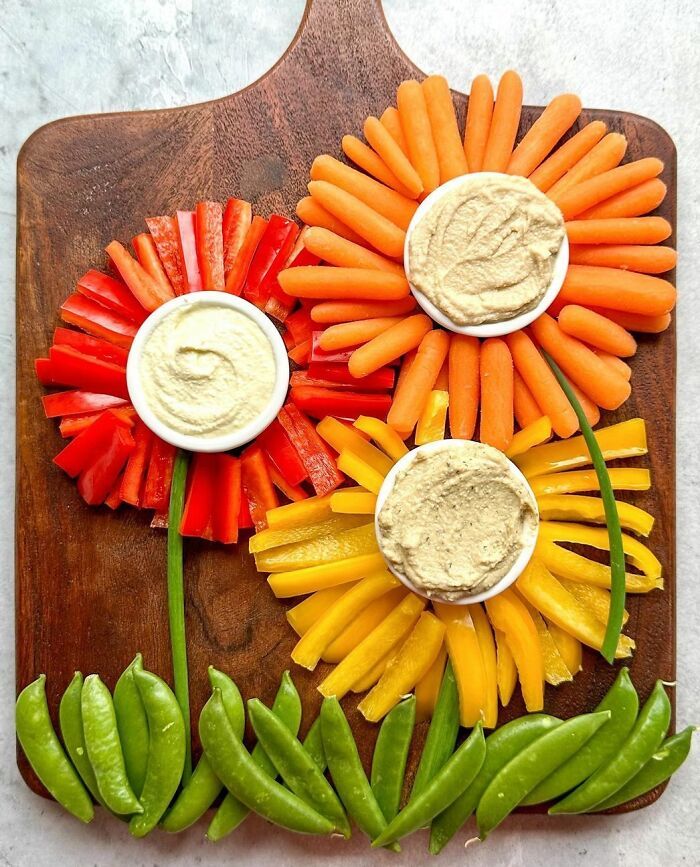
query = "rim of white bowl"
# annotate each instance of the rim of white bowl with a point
(486, 329)
(468, 599)
(191, 442)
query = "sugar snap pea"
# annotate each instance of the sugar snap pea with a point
(313, 744)
(442, 734)
(640, 745)
(132, 725)
(241, 775)
(166, 750)
(71, 722)
(451, 780)
(390, 756)
(523, 772)
(46, 755)
(104, 748)
(623, 703)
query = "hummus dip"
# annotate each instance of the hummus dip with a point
(207, 370)
(485, 251)
(456, 520)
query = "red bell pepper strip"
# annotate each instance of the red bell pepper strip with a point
(44, 371)
(299, 325)
(245, 522)
(187, 238)
(239, 269)
(320, 402)
(147, 254)
(90, 345)
(147, 291)
(112, 294)
(282, 454)
(210, 245)
(71, 367)
(301, 353)
(257, 484)
(271, 247)
(269, 281)
(313, 451)
(199, 501)
(291, 492)
(78, 402)
(113, 499)
(338, 376)
(72, 425)
(84, 450)
(333, 356)
(156, 489)
(135, 471)
(228, 499)
(238, 216)
(98, 320)
(97, 479)
(165, 236)
(286, 336)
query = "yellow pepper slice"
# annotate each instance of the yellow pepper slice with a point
(404, 670)
(571, 507)
(266, 539)
(322, 549)
(534, 434)
(568, 564)
(363, 624)
(488, 654)
(467, 661)
(377, 644)
(301, 513)
(340, 614)
(507, 613)
(428, 686)
(432, 421)
(575, 481)
(556, 671)
(541, 589)
(506, 672)
(595, 598)
(299, 582)
(569, 647)
(368, 680)
(627, 439)
(384, 436)
(359, 470)
(341, 438)
(357, 502)
(302, 616)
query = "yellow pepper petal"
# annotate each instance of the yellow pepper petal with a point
(299, 582)
(384, 436)
(467, 660)
(570, 507)
(506, 672)
(569, 647)
(302, 616)
(595, 598)
(428, 686)
(365, 475)
(575, 481)
(342, 437)
(568, 564)
(322, 549)
(354, 502)
(532, 435)
(266, 539)
(309, 511)
(432, 421)
(363, 624)
(488, 653)
(556, 671)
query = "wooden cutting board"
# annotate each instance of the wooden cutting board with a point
(90, 584)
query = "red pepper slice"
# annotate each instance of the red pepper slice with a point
(98, 320)
(338, 376)
(291, 492)
(236, 223)
(44, 371)
(245, 522)
(78, 402)
(91, 345)
(132, 480)
(187, 238)
(269, 282)
(86, 448)
(300, 325)
(199, 501)
(320, 402)
(165, 236)
(301, 353)
(271, 247)
(239, 269)
(71, 367)
(147, 254)
(147, 291)
(333, 356)
(156, 490)
(228, 499)
(313, 451)
(210, 244)
(279, 304)
(282, 453)
(72, 425)
(257, 484)
(98, 478)
(113, 498)
(112, 294)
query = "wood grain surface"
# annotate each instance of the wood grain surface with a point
(90, 584)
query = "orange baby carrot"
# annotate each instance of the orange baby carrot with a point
(637, 321)
(442, 383)
(415, 124)
(372, 163)
(312, 213)
(646, 259)
(620, 230)
(326, 281)
(543, 385)
(604, 156)
(398, 163)
(596, 331)
(634, 202)
(354, 333)
(592, 286)
(387, 347)
(463, 385)
(391, 120)
(381, 233)
(478, 123)
(504, 123)
(568, 155)
(443, 122)
(411, 397)
(543, 135)
(616, 363)
(525, 406)
(590, 410)
(581, 365)
(496, 374)
(330, 312)
(337, 250)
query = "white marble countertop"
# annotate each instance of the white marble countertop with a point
(78, 56)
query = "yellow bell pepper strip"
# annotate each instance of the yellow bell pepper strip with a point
(575, 481)
(341, 613)
(556, 671)
(568, 564)
(506, 672)
(368, 680)
(569, 647)
(432, 421)
(323, 549)
(365, 475)
(404, 670)
(465, 654)
(428, 686)
(627, 439)
(507, 613)
(534, 434)
(302, 616)
(488, 654)
(357, 631)
(299, 582)
(356, 502)
(266, 539)
(541, 589)
(597, 599)
(342, 437)
(378, 643)
(384, 436)
(571, 507)
(309, 511)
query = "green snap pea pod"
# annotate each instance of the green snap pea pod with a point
(313, 744)
(442, 734)
(623, 703)
(104, 748)
(452, 779)
(244, 777)
(166, 750)
(71, 722)
(665, 761)
(132, 725)
(231, 812)
(501, 746)
(46, 755)
(390, 756)
(641, 744)
(296, 767)
(523, 772)
(204, 786)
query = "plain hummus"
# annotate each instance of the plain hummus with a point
(485, 251)
(207, 370)
(456, 520)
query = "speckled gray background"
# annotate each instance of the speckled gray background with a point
(60, 58)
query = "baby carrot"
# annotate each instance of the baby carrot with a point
(620, 230)
(354, 333)
(604, 156)
(443, 122)
(504, 123)
(384, 348)
(325, 281)
(590, 410)
(596, 330)
(336, 250)
(637, 321)
(388, 149)
(496, 375)
(410, 399)
(391, 120)
(463, 385)
(406, 364)
(415, 124)
(589, 285)
(478, 124)
(616, 363)
(381, 233)
(566, 156)
(645, 258)
(442, 383)
(634, 202)
(373, 163)
(330, 312)
(543, 135)
(524, 404)
(312, 213)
